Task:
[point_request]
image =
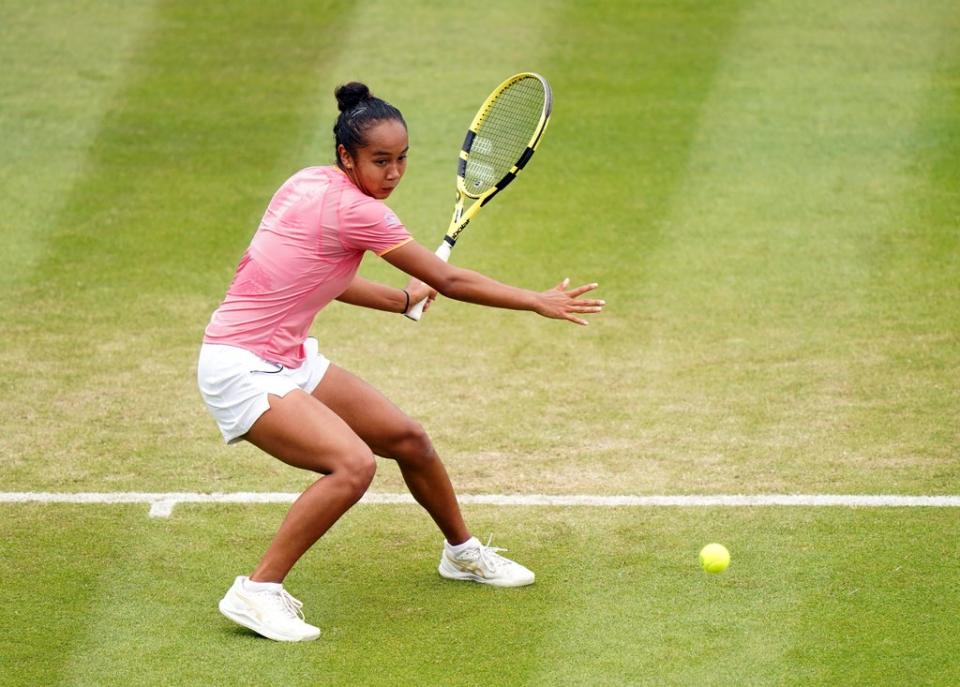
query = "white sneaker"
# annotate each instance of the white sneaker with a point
(481, 563)
(272, 613)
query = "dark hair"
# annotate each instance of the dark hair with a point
(359, 110)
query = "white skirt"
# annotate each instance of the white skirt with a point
(235, 383)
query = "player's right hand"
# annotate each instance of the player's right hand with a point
(418, 291)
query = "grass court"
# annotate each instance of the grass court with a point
(767, 193)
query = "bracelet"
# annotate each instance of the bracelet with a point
(406, 306)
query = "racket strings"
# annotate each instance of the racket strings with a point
(503, 134)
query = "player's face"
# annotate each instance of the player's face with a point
(378, 167)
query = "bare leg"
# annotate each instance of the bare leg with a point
(391, 434)
(304, 433)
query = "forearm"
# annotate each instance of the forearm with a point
(466, 285)
(369, 294)
(473, 287)
(459, 283)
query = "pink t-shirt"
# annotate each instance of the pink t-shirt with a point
(305, 253)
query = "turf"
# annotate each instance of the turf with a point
(766, 193)
(812, 597)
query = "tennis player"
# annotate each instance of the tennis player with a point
(265, 380)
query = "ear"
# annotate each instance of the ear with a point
(344, 156)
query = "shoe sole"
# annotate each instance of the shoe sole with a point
(246, 621)
(472, 577)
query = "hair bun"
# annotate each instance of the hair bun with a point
(349, 95)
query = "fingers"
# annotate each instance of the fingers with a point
(571, 313)
(420, 291)
(565, 304)
(417, 286)
(580, 290)
(586, 306)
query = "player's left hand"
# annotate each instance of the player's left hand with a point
(563, 304)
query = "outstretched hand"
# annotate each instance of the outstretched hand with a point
(562, 304)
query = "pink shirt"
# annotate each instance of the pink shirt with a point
(305, 253)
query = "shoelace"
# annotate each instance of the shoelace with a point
(290, 605)
(488, 555)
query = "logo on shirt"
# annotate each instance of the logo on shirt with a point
(390, 219)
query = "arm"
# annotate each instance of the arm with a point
(369, 294)
(473, 287)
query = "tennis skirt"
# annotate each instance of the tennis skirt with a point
(235, 383)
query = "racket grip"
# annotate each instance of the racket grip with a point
(416, 310)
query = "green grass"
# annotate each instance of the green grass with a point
(766, 193)
(812, 597)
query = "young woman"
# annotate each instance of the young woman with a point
(265, 381)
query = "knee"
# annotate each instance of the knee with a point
(358, 471)
(412, 444)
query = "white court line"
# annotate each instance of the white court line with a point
(162, 504)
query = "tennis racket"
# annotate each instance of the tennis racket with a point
(502, 138)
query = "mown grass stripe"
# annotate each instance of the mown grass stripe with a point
(208, 117)
(763, 330)
(58, 83)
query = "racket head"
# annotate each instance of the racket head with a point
(504, 134)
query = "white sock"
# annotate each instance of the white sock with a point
(252, 586)
(472, 542)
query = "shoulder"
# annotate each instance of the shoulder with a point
(315, 174)
(370, 225)
(361, 209)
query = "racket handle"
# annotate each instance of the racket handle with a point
(416, 310)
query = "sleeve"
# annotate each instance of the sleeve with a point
(374, 227)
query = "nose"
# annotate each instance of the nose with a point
(393, 171)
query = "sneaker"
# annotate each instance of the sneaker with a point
(272, 613)
(481, 563)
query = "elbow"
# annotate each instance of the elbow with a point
(450, 285)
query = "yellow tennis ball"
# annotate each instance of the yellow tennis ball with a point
(714, 558)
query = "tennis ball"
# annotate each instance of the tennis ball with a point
(714, 558)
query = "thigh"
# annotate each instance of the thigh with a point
(370, 414)
(301, 431)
